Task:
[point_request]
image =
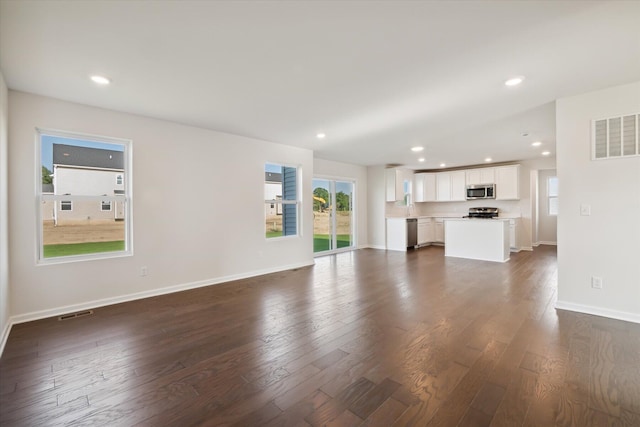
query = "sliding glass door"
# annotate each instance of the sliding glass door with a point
(333, 220)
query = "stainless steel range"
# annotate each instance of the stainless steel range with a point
(482, 213)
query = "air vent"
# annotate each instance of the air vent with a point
(616, 137)
(75, 315)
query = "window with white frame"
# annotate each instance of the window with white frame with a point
(281, 200)
(84, 195)
(552, 195)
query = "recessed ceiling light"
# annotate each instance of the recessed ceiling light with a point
(421, 159)
(101, 80)
(546, 153)
(321, 135)
(515, 81)
(417, 149)
(536, 144)
(488, 159)
(442, 165)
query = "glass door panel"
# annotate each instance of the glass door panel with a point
(344, 214)
(322, 216)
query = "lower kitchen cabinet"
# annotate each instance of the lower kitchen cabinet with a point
(425, 231)
(513, 233)
(439, 230)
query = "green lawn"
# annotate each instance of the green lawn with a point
(321, 242)
(51, 251)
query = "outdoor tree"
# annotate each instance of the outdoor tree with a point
(46, 176)
(323, 194)
(342, 201)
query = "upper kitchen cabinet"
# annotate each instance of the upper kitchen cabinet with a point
(393, 179)
(450, 186)
(508, 182)
(398, 184)
(424, 187)
(481, 176)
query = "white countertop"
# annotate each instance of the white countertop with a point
(478, 219)
(458, 215)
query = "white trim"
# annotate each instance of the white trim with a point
(5, 335)
(43, 314)
(598, 311)
(381, 247)
(547, 242)
(334, 251)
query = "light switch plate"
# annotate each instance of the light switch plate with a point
(596, 282)
(585, 210)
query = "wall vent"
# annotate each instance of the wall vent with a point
(75, 315)
(615, 137)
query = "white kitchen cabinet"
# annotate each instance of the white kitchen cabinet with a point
(450, 186)
(394, 183)
(443, 186)
(439, 230)
(396, 234)
(513, 233)
(424, 187)
(458, 186)
(508, 182)
(425, 231)
(480, 176)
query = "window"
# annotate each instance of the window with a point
(552, 195)
(281, 200)
(84, 202)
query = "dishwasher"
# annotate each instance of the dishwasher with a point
(412, 232)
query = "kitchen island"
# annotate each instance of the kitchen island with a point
(482, 239)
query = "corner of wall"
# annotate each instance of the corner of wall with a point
(5, 307)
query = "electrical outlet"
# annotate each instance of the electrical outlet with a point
(585, 210)
(596, 282)
(144, 271)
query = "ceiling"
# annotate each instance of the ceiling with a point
(378, 77)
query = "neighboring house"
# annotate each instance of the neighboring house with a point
(84, 171)
(273, 191)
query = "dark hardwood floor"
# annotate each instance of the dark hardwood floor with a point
(368, 338)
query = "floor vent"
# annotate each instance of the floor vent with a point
(75, 315)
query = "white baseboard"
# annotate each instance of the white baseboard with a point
(545, 242)
(43, 314)
(375, 247)
(598, 311)
(522, 248)
(5, 335)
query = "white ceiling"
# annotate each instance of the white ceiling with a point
(376, 76)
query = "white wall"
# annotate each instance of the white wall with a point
(337, 170)
(606, 243)
(198, 209)
(376, 200)
(547, 224)
(5, 307)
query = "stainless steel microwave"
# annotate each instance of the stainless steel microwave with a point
(481, 191)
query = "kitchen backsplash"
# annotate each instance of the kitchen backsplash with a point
(505, 206)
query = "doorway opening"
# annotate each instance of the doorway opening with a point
(333, 219)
